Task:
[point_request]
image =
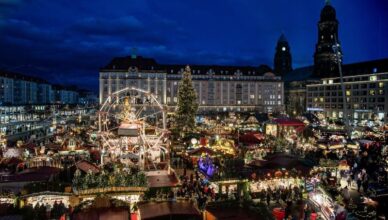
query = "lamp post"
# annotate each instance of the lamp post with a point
(338, 55)
(3, 141)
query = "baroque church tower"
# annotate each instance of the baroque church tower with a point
(325, 59)
(282, 60)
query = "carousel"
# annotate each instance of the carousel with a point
(132, 127)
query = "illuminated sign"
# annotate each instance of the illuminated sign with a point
(314, 109)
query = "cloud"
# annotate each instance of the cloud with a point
(24, 30)
(104, 26)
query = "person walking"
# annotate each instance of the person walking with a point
(349, 180)
(268, 198)
(359, 181)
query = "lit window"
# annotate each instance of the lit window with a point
(279, 102)
(175, 99)
(330, 81)
(252, 96)
(283, 48)
(324, 82)
(348, 92)
(279, 96)
(238, 102)
(321, 99)
(372, 92)
(381, 84)
(259, 96)
(372, 78)
(175, 83)
(203, 102)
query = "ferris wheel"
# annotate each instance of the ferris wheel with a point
(132, 127)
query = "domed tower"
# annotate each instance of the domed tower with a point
(282, 60)
(325, 59)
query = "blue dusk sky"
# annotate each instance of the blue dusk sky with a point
(67, 41)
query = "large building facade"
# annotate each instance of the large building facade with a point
(218, 88)
(366, 97)
(19, 89)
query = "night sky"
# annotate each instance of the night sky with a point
(68, 41)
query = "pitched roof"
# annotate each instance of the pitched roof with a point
(86, 166)
(20, 76)
(350, 69)
(161, 178)
(148, 64)
(151, 210)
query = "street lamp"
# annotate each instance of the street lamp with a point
(336, 48)
(3, 141)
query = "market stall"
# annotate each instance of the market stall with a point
(275, 183)
(323, 203)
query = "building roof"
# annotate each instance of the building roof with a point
(151, 210)
(201, 150)
(351, 69)
(233, 212)
(85, 166)
(282, 38)
(20, 76)
(328, 13)
(288, 122)
(32, 174)
(124, 63)
(149, 64)
(299, 74)
(161, 178)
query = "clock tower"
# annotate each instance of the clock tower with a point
(282, 60)
(325, 57)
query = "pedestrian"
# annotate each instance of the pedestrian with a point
(358, 182)
(346, 195)
(349, 180)
(268, 198)
(365, 183)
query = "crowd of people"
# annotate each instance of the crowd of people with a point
(42, 211)
(279, 194)
(196, 188)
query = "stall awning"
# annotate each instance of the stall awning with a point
(251, 138)
(201, 150)
(288, 122)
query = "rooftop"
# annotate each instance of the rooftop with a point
(149, 64)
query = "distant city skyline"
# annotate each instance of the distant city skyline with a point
(68, 42)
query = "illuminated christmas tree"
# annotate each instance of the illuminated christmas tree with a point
(187, 103)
